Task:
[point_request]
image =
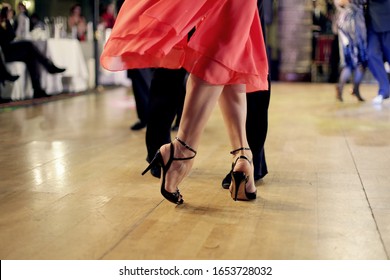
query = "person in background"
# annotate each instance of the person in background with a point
(22, 27)
(352, 35)
(77, 23)
(11, 14)
(36, 22)
(319, 25)
(107, 15)
(378, 49)
(334, 63)
(320, 20)
(24, 51)
(6, 13)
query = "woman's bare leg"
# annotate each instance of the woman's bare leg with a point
(233, 106)
(201, 98)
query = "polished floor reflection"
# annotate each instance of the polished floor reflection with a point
(71, 184)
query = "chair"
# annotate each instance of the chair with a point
(22, 87)
(322, 56)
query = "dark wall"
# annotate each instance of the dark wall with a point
(52, 8)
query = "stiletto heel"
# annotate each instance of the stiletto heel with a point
(356, 93)
(158, 161)
(339, 93)
(239, 180)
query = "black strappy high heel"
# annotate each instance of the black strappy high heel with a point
(239, 180)
(356, 92)
(339, 93)
(158, 161)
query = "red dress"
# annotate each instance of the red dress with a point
(227, 46)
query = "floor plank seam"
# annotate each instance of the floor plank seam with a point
(140, 221)
(367, 199)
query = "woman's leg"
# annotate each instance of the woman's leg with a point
(201, 98)
(343, 79)
(357, 80)
(234, 109)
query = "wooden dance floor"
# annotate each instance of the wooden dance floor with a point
(71, 184)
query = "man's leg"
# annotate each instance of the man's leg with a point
(167, 93)
(257, 128)
(141, 80)
(376, 64)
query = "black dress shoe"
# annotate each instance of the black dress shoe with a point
(9, 77)
(5, 100)
(40, 94)
(52, 69)
(138, 126)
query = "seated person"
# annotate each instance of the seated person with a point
(5, 75)
(107, 16)
(24, 51)
(22, 22)
(77, 23)
(36, 22)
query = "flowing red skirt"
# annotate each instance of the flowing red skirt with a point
(227, 46)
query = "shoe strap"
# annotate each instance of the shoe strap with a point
(241, 157)
(237, 159)
(172, 152)
(240, 149)
(187, 147)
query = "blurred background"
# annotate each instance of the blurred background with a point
(301, 39)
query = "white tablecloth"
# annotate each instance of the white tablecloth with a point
(66, 53)
(21, 88)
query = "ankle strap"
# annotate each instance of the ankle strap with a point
(238, 158)
(186, 146)
(240, 149)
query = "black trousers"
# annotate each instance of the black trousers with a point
(167, 94)
(3, 69)
(166, 101)
(27, 52)
(257, 128)
(141, 80)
